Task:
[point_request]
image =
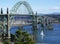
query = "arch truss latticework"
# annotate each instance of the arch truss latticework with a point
(17, 5)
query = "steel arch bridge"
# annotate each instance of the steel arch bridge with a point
(26, 4)
(15, 9)
(17, 5)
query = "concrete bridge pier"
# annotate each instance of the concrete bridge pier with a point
(34, 25)
(8, 23)
(49, 24)
(2, 34)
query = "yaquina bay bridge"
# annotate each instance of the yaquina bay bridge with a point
(17, 19)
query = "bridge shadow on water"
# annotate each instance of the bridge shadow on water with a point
(50, 36)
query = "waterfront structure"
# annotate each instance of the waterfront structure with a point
(10, 19)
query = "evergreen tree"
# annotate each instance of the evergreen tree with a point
(22, 38)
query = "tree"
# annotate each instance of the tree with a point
(6, 42)
(22, 38)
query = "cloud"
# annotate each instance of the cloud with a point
(55, 8)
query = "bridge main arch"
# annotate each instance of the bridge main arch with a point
(17, 5)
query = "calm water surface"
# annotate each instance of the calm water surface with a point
(50, 36)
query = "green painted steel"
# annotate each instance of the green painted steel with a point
(17, 5)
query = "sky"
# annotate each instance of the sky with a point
(41, 6)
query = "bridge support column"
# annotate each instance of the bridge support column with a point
(42, 23)
(49, 25)
(8, 22)
(34, 25)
